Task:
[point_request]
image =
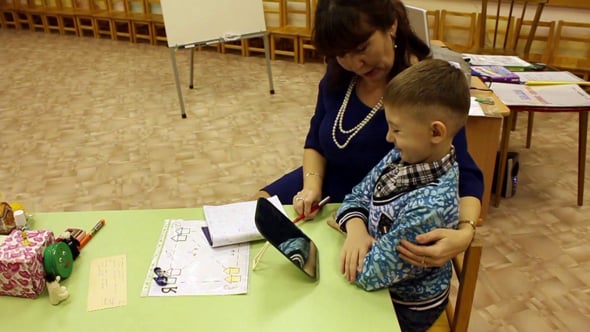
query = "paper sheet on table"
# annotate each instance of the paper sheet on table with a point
(192, 267)
(548, 76)
(569, 95)
(107, 286)
(234, 223)
(475, 108)
(496, 60)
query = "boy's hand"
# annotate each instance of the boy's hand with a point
(356, 246)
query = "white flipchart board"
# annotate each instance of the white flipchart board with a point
(199, 21)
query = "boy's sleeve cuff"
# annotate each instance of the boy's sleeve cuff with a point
(348, 214)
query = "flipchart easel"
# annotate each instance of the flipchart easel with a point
(190, 24)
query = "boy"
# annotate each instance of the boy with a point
(412, 190)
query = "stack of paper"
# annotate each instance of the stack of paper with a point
(569, 95)
(233, 223)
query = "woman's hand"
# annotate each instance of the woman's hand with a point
(304, 200)
(436, 247)
(356, 246)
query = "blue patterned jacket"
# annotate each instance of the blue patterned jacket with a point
(413, 204)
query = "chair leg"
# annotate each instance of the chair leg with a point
(582, 141)
(529, 129)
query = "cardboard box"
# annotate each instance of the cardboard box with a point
(21, 266)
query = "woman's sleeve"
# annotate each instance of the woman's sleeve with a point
(470, 176)
(312, 140)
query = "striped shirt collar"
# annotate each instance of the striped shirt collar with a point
(398, 177)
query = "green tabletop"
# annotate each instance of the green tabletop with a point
(280, 297)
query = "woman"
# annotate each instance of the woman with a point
(366, 43)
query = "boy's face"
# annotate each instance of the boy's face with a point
(411, 136)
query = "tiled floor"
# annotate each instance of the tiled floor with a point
(90, 124)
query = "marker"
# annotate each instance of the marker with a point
(296, 220)
(313, 209)
(91, 233)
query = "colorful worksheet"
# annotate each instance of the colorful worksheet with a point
(185, 264)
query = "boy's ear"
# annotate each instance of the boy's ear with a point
(438, 131)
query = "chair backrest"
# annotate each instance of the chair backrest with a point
(571, 50)
(455, 27)
(466, 269)
(274, 13)
(517, 9)
(433, 23)
(458, 312)
(543, 41)
(298, 13)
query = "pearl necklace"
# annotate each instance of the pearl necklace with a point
(340, 116)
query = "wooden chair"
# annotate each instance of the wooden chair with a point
(85, 20)
(543, 41)
(23, 18)
(102, 19)
(497, 40)
(154, 10)
(141, 26)
(458, 312)
(51, 16)
(36, 15)
(119, 20)
(305, 41)
(274, 16)
(456, 27)
(67, 16)
(505, 26)
(571, 50)
(63, 11)
(433, 23)
(541, 49)
(298, 22)
(8, 14)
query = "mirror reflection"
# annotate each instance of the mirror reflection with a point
(287, 237)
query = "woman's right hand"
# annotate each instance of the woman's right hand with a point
(304, 200)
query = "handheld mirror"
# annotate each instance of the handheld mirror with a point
(284, 235)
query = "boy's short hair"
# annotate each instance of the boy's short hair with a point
(432, 89)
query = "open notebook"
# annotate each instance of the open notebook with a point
(233, 223)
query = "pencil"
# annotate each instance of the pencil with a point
(296, 220)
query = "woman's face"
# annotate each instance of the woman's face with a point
(373, 59)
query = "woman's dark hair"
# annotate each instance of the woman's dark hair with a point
(342, 25)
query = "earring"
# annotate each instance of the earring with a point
(394, 45)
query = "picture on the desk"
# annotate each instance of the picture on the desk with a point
(287, 238)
